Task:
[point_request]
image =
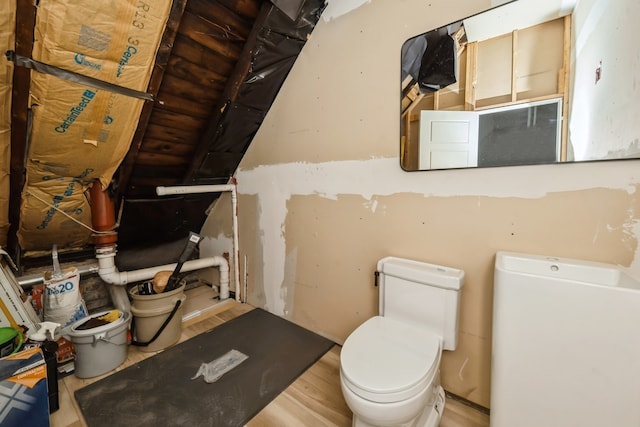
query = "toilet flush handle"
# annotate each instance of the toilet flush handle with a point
(376, 277)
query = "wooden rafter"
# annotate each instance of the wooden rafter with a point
(563, 86)
(514, 66)
(25, 22)
(471, 77)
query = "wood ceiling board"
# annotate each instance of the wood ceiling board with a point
(157, 74)
(202, 56)
(168, 148)
(233, 25)
(245, 8)
(197, 74)
(230, 93)
(202, 32)
(159, 159)
(169, 119)
(171, 102)
(186, 88)
(172, 135)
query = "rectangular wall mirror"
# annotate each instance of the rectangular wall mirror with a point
(528, 82)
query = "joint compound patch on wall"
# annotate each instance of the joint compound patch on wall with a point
(287, 289)
(372, 205)
(373, 178)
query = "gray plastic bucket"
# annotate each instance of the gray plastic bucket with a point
(101, 349)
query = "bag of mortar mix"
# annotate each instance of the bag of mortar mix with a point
(63, 302)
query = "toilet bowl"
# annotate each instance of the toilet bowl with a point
(389, 374)
(390, 364)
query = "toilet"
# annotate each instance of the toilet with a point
(390, 365)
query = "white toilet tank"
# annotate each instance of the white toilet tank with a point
(423, 294)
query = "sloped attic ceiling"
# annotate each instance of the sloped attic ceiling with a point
(215, 73)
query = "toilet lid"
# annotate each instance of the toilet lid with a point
(385, 360)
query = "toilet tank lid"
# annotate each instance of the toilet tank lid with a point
(422, 272)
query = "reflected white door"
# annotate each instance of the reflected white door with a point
(448, 139)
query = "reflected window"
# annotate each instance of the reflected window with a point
(520, 134)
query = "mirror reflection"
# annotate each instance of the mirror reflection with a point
(528, 82)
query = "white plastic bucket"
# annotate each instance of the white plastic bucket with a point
(100, 349)
(150, 313)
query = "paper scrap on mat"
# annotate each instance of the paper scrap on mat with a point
(215, 369)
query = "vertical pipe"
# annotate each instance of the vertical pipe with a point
(103, 219)
(190, 189)
(102, 216)
(236, 251)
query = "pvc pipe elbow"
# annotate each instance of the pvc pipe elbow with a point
(113, 277)
(223, 264)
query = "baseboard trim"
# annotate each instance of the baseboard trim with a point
(467, 402)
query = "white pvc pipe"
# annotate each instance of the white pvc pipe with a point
(192, 189)
(110, 274)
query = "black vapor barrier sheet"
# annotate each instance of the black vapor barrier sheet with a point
(431, 60)
(278, 44)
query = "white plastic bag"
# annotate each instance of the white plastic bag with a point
(215, 369)
(63, 302)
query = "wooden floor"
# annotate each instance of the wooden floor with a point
(314, 399)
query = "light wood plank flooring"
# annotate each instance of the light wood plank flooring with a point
(314, 399)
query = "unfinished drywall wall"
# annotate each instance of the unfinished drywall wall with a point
(322, 196)
(606, 84)
(464, 232)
